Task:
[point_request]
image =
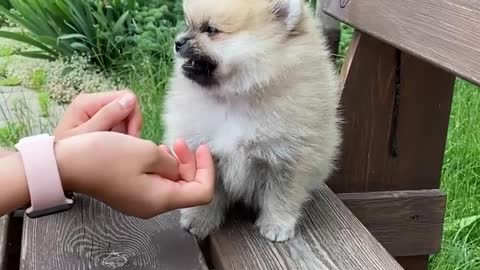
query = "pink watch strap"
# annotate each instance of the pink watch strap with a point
(41, 170)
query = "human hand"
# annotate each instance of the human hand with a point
(116, 111)
(133, 175)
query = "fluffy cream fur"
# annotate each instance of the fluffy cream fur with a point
(271, 120)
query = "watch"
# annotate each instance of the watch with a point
(44, 184)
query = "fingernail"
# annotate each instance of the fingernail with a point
(127, 101)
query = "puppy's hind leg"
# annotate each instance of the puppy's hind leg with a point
(281, 208)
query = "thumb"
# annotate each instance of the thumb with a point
(110, 116)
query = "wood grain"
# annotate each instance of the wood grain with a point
(329, 237)
(396, 111)
(366, 105)
(443, 32)
(406, 223)
(3, 241)
(93, 236)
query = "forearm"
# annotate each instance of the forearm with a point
(13, 184)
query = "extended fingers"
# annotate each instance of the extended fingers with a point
(184, 194)
(205, 166)
(110, 116)
(135, 122)
(102, 112)
(187, 161)
(164, 164)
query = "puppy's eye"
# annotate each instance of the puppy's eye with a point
(212, 30)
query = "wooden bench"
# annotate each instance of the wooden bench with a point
(93, 236)
(386, 212)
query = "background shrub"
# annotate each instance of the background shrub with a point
(106, 31)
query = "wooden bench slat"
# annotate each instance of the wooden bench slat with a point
(330, 238)
(443, 32)
(3, 241)
(93, 236)
(406, 222)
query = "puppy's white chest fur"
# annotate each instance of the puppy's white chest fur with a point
(223, 125)
(234, 128)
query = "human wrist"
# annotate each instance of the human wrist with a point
(47, 196)
(64, 154)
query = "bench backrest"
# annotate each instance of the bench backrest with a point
(443, 32)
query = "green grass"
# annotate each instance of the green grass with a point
(149, 86)
(147, 74)
(11, 133)
(38, 79)
(461, 183)
(6, 51)
(44, 103)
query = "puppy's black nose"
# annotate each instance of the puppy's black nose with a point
(179, 43)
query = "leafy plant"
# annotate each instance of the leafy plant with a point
(44, 102)
(3, 69)
(101, 29)
(6, 51)
(3, 19)
(6, 4)
(38, 79)
(11, 134)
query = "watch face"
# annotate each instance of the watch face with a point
(53, 210)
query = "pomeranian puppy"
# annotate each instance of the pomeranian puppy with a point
(253, 79)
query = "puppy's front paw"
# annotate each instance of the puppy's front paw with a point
(277, 232)
(200, 222)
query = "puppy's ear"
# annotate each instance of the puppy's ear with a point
(289, 11)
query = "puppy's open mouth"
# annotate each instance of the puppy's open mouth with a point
(200, 70)
(199, 66)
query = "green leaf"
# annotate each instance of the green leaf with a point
(80, 47)
(460, 224)
(26, 39)
(36, 54)
(72, 36)
(119, 25)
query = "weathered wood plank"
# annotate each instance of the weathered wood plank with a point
(93, 236)
(329, 238)
(406, 223)
(396, 111)
(443, 32)
(3, 241)
(367, 101)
